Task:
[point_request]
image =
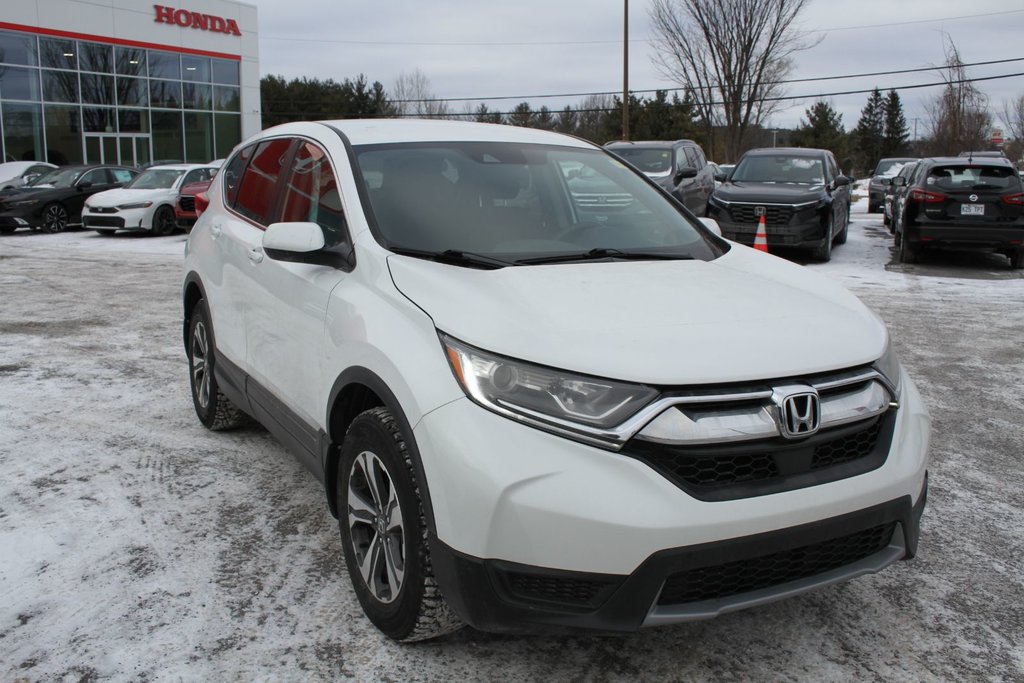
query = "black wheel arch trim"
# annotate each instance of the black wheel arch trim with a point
(192, 280)
(329, 448)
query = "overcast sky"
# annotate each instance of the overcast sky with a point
(536, 47)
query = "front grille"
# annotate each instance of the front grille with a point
(103, 209)
(742, 576)
(732, 471)
(774, 214)
(103, 221)
(187, 203)
(594, 200)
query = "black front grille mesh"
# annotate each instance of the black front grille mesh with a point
(742, 576)
(187, 203)
(773, 215)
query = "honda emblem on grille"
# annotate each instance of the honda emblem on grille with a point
(800, 414)
(760, 211)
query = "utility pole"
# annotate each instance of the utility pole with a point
(625, 70)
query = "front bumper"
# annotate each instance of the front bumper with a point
(122, 219)
(514, 507)
(15, 218)
(801, 229)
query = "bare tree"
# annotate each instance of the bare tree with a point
(960, 119)
(413, 97)
(731, 55)
(1013, 119)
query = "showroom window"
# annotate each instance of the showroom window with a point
(168, 142)
(63, 135)
(198, 137)
(23, 132)
(96, 57)
(17, 48)
(19, 84)
(57, 53)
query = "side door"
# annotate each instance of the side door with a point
(285, 327)
(840, 194)
(249, 193)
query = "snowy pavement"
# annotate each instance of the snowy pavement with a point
(136, 545)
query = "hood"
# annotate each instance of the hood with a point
(745, 316)
(119, 196)
(778, 193)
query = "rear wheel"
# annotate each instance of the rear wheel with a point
(1017, 259)
(163, 221)
(384, 532)
(55, 218)
(908, 252)
(213, 408)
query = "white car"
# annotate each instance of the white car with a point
(530, 414)
(15, 174)
(146, 203)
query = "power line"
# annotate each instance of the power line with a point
(394, 43)
(610, 109)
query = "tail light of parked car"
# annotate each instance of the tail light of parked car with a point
(202, 201)
(924, 196)
(1014, 199)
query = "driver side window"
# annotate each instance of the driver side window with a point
(97, 176)
(311, 194)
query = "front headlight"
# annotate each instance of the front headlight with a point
(889, 366)
(136, 205)
(543, 396)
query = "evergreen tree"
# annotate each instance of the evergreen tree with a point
(543, 119)
(894, 140)
(522, 115)
(485, 115)
(309, 99)
(870, 132)
(823, 129)
(568, 121)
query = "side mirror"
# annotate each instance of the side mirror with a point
(721, 176)
(711, 224)
(30, 177)
(899, 181)
(303, 242)
(685, 172)
(842, 180)
(84, 186)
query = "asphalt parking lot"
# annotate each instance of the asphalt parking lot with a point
(135, 545)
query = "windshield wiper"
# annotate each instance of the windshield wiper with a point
(455, 256)
(604, 253)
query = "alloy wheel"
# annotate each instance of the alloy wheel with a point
(200, 367)
(376, 527)
(55, 218)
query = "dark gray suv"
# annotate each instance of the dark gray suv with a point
(679, 166)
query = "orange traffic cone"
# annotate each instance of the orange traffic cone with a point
(761, 238)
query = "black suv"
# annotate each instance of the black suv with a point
(678, 166)
(801, 194)
(879, 185)
(955, 202)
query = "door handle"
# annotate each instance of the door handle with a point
(256, 255)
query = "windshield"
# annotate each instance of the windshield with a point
(891, 167)
(155, 179)
(58, 178)
(516, 202)
(778, 168)
(652, 160)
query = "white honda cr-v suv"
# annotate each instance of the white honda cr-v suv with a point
(532, 412)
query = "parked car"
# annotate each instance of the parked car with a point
(146, 203)
(185, 213)
(802, 195)
(528, 417)
(678, 166)
(960, 202)
(886, 168)
(54, 200)
(894, 190)
(15, 174)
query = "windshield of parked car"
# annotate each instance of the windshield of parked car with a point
(58, 178)
(778, 168)
(953, 177)
(155, 179)
(513, 203)
(652, 160)
(890, 167)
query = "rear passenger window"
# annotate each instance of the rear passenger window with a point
(233, 170)
(256, 198)
(311, 194)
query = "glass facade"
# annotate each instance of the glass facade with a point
(71, 101)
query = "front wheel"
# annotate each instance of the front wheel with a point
(824, 252)
(163, 221)
(55, 218)
(845, 232)
(384, 532)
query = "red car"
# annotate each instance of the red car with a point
(185, 208)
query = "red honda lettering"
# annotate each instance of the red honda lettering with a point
(164, 15)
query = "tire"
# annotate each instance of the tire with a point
(824, 252)
(55, 218)
(886, 221)
(164, 222)
(213, 408)
(845, 232)
(908, 252)
(872, 208)
(1016, 259)
(398, 592)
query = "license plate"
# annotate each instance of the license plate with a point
(972, 209)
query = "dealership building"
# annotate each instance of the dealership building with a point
(126, 81)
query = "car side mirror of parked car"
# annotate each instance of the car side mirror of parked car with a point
(899, 181)
(721, 176)
(842, 180)
(685, 172)
(84, 186)
(303, 242)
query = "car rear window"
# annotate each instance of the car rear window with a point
(952, 177)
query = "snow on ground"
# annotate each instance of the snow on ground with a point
(136, 545)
